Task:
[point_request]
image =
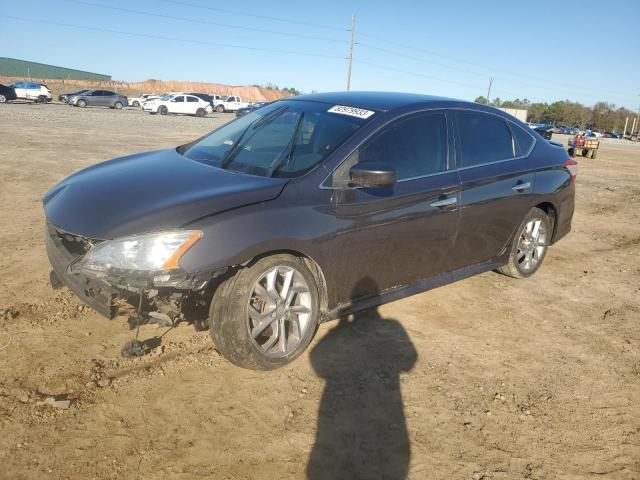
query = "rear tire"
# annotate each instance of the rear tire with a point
(289, 313)
(162, 110)
(117, 105)
(220, 109)
(41, 99)
(136, 104)
(529, 246)
(201, 112)
(3, 99)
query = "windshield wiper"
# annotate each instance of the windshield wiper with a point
(287, 153)
(255, 125)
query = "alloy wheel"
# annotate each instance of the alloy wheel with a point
(279, 311)
(532, 245)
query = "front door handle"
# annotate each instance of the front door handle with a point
(521, 186)
(445, 202)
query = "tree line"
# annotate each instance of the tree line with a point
(602, 116)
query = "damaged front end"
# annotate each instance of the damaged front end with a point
(138, 275)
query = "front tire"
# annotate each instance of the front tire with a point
(136, 104)
(529, 246)
(81, 103)
(3, 99)
(265, 315)
(162, 110)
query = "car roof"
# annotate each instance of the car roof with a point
(382, 101)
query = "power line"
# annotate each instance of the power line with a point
(264, 17)
(487, 67)
(549, 87)
(172, 39)
(415, 74)
(205, 22)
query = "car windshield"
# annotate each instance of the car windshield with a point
(284, 139)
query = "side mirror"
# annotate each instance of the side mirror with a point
(372, 175)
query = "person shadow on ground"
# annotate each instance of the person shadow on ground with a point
(362, 432)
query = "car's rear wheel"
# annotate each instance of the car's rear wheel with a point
(117, 105)
(220, 109)
(201, 112)
(41, 99)
(136, 104)
(265, 315)
(81, 103)
(162, 110)
(3, 99)
(529, 246)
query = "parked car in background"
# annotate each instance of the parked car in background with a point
(545, 131)
(64, 97)
(307, 210)
(98, 98)
(7, 94)
(139, 100)
(613, 134)
(231, 104)
(182, 104)
(37, 92)
(250, 108)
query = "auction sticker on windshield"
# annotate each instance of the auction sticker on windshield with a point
(351, 111)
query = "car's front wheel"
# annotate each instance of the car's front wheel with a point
(220, 109)
(81, 103)
(163, 110)
(136, 104)
(265, 315)
(3, 99)
(529, 246)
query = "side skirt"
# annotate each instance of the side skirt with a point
(397, 293)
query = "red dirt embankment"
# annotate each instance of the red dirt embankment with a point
(248, 93)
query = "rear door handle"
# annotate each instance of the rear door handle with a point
(445, 202)
(521, 186)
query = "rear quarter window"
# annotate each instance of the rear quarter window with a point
(524, 139)
(484, 138)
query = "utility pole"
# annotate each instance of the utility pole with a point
(353, 33)
(489, 90)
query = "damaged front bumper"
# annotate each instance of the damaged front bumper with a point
(65, 250)
(96, 293)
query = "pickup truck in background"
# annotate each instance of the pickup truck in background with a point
(231, 104)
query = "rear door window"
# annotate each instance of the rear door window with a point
(192, 99)
(484, 138)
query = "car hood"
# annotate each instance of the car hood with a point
(150, 192)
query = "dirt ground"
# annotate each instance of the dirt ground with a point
(489, 377)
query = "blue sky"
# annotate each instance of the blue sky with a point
(539, 50)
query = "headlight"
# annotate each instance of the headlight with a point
(150, 252)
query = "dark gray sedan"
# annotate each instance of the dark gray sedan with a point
(306, 210)
(98, 98)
